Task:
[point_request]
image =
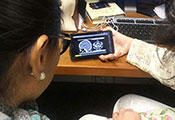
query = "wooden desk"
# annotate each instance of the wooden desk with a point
(94, 67)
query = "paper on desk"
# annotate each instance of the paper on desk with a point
(160, 11)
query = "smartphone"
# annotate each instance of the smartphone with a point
(98, 5)
(91, 44)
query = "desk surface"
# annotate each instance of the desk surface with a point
(95, 67)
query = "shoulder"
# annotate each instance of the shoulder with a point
(29, 115)
(4, 116)
(162, 114)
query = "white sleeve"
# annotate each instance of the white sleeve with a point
(93, 117)
(157, 61)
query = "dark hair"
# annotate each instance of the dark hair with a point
(167, 36)
(21, 23)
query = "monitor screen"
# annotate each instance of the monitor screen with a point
(141, 6)
(146, 6)
(82, 9)
(120, 3)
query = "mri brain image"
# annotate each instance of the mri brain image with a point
(85, 46)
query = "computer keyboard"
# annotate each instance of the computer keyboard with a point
(140, 28)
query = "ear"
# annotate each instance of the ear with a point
(38, 55)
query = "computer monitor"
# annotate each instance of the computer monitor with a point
(120, 3)
(82, 9)
(146, 6)
(141, 6)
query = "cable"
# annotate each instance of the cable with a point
(110, 21)
(97, 27)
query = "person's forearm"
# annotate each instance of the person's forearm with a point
(157, 61)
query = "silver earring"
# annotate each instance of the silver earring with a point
(42, 75)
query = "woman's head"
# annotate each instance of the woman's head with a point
(29, 32)
(167, 36)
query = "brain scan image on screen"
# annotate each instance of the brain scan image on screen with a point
(85, 46)
(98, 45)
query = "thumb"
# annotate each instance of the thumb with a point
(115, 116)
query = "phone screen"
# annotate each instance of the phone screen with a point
(91, 44)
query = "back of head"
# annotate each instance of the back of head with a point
(21, 23)
(167, 36)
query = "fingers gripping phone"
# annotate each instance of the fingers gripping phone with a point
(91, 44)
